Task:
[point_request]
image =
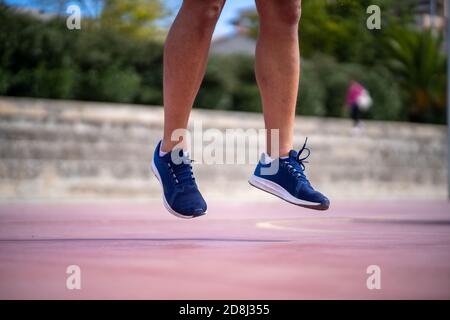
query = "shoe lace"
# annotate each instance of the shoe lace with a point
(297, 166)
(182, 173)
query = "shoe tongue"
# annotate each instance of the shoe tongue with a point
(292, 154)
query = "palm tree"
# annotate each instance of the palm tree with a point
(417, 60)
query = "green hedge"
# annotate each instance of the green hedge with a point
(324, 83)
(44, 59)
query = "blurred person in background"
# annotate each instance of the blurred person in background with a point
(358, 99)
(277, 73)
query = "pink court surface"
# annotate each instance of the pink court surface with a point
(237, 251)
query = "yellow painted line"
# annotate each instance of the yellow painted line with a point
(313, 222)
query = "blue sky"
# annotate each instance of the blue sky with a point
(230, 11)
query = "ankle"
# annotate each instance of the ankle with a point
(166, 146)
(282, 153)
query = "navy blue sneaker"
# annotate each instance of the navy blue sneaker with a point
(289, 181)
(181, 195)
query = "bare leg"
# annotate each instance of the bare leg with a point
(185, 57)
(278, 67)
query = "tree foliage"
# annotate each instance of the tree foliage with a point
(419, 64)
(134, 18)
(403, 69)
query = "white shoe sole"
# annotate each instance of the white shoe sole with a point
(277, 190)
(166, 204)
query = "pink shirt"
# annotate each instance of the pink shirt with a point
(354, 91)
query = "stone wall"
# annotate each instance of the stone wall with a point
(71, 150)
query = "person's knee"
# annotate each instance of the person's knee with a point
(291, 11)
(283, 12)
(213, 9)
(206, 12)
